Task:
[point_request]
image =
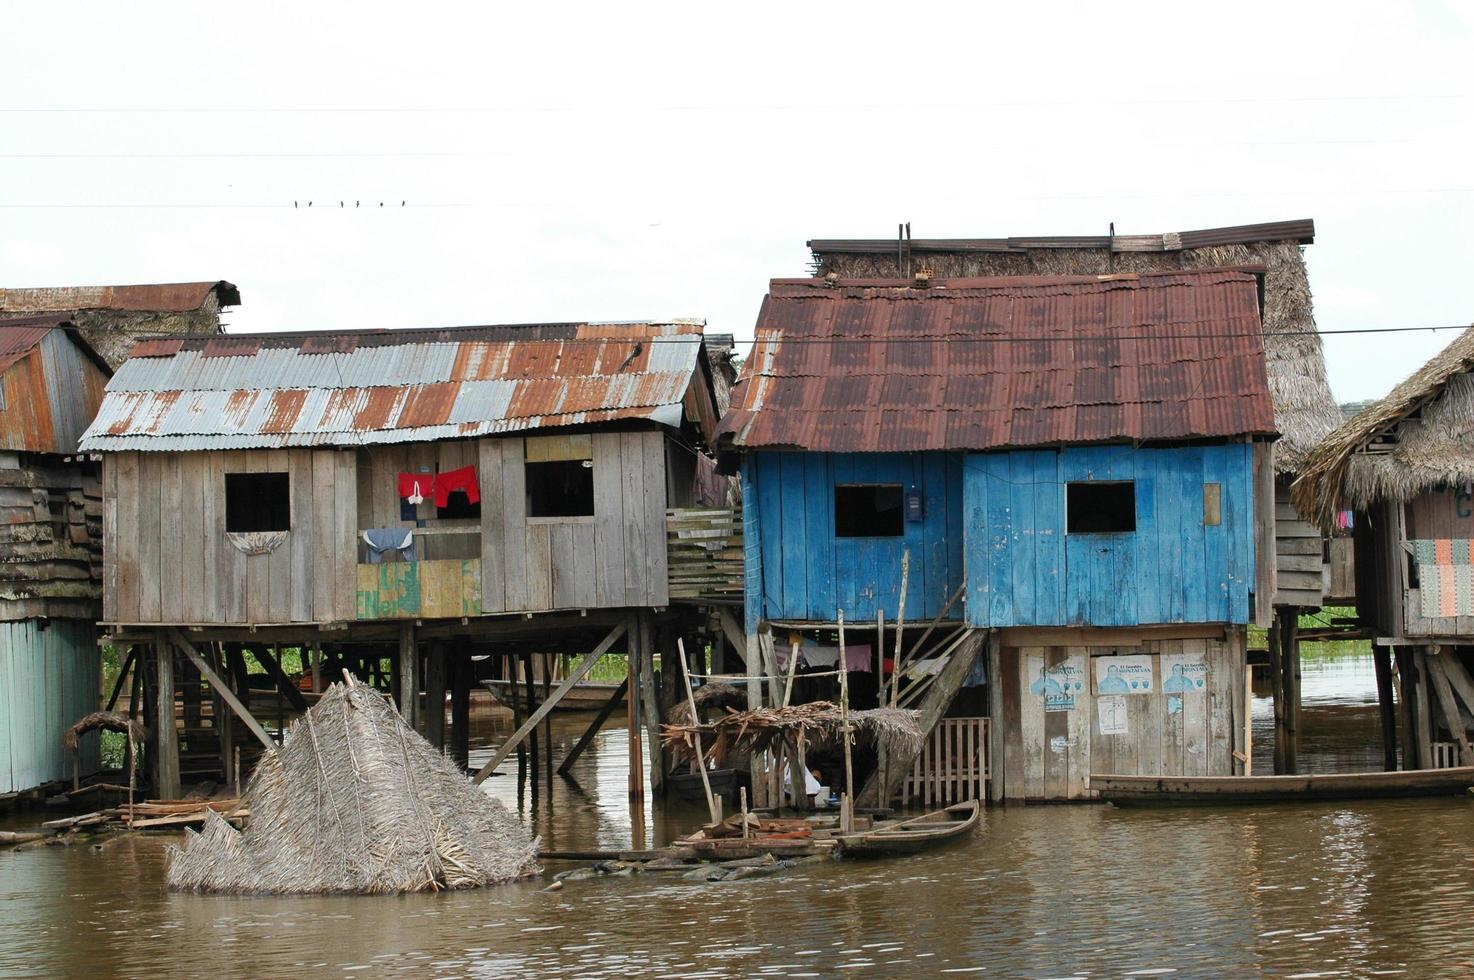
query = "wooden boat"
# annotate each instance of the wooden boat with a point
(687, 786)
(896, 837)
(583, 696)
(1224, 790)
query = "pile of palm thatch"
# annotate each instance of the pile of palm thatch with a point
(799, 725)
(356, 802)
(1420, 436)
(711, 694)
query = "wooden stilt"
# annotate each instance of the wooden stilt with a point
(406, 677)
(650, 706)
(529, 687)
(549, 661)
(124, 673)
(166, 769)
(587, 738)
(711, 803)
(632, 716)
(435, 670)
(1277, 690)
(1407, 697)
(317, 667)
(460, 707)
(510, 673)
(847, 804)
(1423, 708)
(797, 766)
(1382, 662)
(1290, 636)
(1445, 696)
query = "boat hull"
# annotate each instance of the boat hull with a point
(582, 697)
(1124, 790)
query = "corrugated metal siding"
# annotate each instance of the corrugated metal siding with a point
(49, 679)
(882, 366)
(269, 392)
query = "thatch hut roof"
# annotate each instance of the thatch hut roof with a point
(356, 802)
(1420, 436)
(1305, 411)
(814, 723)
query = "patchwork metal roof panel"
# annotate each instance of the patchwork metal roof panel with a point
(318, 389)
(980, 364)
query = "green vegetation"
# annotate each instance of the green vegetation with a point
(1319, 649)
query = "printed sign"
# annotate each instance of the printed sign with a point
(1057, 686)
(1182, 674)
(1124, 675)
(1111, 712)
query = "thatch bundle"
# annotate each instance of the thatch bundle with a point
(110, 720)
(355, 801)
(711, 694)
(1304, 408)
(799, 725)
(1425, 433)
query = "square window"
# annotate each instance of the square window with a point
(869, 510)
(258, 502)
(1100, 508)
(560, 488)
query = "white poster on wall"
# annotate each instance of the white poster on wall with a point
(1110, 710)
(1124, 675)
(1183, 674)
(1060, 686)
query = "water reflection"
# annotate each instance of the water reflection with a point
(1325, 889)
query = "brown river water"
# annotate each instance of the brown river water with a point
(1310, 890)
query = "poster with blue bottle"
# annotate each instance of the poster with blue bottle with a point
(1058, 686)
(1124, 675)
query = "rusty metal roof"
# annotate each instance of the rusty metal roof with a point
(175, 297)
(1300, 230)
(979, 364)
(323, 389)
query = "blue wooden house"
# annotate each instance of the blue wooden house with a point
(1084, 459)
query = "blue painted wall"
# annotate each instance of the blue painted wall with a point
(798, 569)
(1024, 570)
(49, 679)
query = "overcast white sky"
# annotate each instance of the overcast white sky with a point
(613, 161)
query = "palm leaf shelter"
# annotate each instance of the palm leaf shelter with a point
(1311, 568)
(1053, 485)
(440, 501)
(1404, 466)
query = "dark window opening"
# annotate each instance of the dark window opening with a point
(457, 505)
(1100, 508)
(869, 510)
(258, 502)
(560, 488)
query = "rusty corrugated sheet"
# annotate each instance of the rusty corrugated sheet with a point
(383, 386)
(882, 366)
(175, 297)
(1300, 230)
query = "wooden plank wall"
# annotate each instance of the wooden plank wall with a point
(378, 493)
(612, 559)
(1380, 568)
(1024, 570)
(171, 562)
(1301, 575)
(1050, 755)
(809, 574)
(49, 679)
(1443, 513)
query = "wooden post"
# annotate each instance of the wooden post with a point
(435, 670)
(550, 660)
(632, 718)
(316, 666)
(529, 687)
(847, 805)
(123, 674)
(1407, 697)
(1290, 636)
(711, 804)
(1445, 694)
(1382, 661)
(1277, 690)
(224, 717)
(797, 764)
(1423, 706)
(166, 768)
(754, 660)
(650, 708)
(408, 681)
(900, 628)
(509, 665)
(460, 706)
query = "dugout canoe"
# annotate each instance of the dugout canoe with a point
(583, 696)
(892, 838)
(1225, 790)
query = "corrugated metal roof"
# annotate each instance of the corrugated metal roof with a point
(885, 365)
(18, 340)
(275, 390)
(1300, 230)
(174, 297)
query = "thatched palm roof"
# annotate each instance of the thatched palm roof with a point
(1420, 436)
(356, 802)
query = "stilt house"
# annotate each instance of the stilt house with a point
(51, 382)
(1075, 470)
(1405, 467)
(1310, 568)
(415, 496)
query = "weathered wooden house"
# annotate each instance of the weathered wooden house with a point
(1405, 467)
(415, 496)
(1310, 568)
(114, 318)
(1087, 455)
(51, 382)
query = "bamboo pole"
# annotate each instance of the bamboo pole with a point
(847, 805)
(900, 628)
(711, 803)
(797, 764)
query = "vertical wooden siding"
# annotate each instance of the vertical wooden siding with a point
(1050, 755)
(614, 559)
(1024, 570)
(808, 573)
(170, 561)
(49, 679)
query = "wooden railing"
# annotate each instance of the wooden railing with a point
(952, 766)
(1446, 755)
